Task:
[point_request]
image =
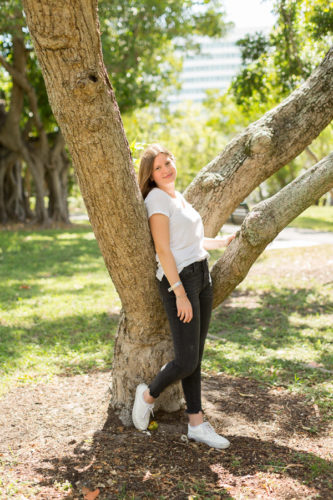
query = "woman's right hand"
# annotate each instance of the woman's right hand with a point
(184, 308)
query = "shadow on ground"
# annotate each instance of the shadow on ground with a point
(270, 432)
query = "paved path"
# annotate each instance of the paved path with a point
(287, 238)
(293, 237)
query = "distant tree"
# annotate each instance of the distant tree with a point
(140, 40)
(275, 64)
(33, 159)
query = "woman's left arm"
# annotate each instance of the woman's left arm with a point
(215, 243)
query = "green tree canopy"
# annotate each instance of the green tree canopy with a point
(141, 38)
(275, 64)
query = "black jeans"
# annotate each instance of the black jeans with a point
(188, 338)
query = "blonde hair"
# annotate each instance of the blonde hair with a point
(146, 184)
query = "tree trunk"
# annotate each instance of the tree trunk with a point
(44, 164)
(12, 140)
(67, 45)
(84, 105)
(11, 190)
(3, 171)
(56, 178)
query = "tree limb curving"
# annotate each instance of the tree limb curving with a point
(265, 222)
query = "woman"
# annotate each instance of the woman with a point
(185, 287)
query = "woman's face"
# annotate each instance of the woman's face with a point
(164, 171)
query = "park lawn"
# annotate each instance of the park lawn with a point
(59, 313)
(57, 305)
(319, 218)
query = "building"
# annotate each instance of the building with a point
(214, 68)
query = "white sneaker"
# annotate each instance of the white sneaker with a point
(141, 410)
(204, 433)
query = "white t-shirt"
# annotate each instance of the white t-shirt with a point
(186, 228)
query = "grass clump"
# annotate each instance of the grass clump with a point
(316, 218)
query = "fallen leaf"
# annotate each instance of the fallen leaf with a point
(90, 495)
(147, 476)
(246, 395)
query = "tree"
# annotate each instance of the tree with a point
(141, 37)
(275, 64)
(68, 47)
(31, 145)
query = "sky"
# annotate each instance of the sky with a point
(249, 13)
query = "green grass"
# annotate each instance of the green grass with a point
(277, 328)
(56, 302)
(59, 316)
(317, 218)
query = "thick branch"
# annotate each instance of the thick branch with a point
(17, 76)
(263, 148)
(263, 224)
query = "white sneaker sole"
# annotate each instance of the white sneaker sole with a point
(210, 443)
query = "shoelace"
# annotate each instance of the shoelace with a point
(150, 409)
(209, 428)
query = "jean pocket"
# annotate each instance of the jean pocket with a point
(187, 271)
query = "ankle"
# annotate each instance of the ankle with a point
(195, 419)
(147, 397)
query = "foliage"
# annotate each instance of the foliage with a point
(275, 64)
(193, 142)
(140, 37)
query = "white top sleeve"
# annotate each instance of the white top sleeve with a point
(157, 202)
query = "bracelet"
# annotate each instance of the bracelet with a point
(172, 287)
(181, 296)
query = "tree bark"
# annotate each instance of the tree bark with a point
(67, 44)
(263, 148)
(264, 223)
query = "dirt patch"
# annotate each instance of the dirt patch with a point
(305, 265)
(62, 433)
